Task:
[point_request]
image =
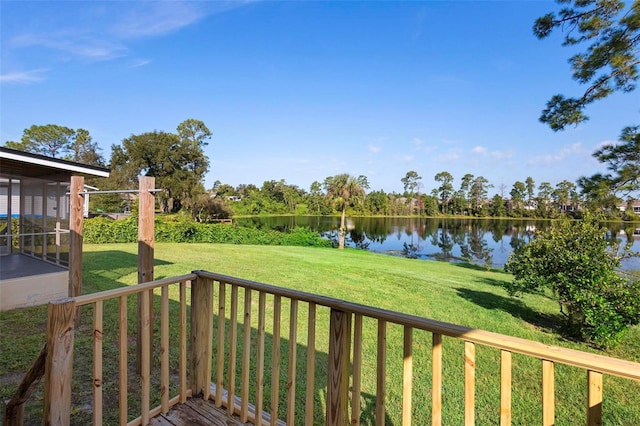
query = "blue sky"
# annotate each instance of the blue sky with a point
(304, 90)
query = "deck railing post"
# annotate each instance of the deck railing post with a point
(59, 362)
(201, 336)
(146, 244)
(76, 226)
(338, 371)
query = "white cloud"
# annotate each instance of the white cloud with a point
(75, 43)
(140, 63)
(407, 158)
(502, 155)
(157, 18)
(496, 155)
(575, 150)
(99, 32)
(453, 154)
(417, 142)
(374, 148)
(23, 77)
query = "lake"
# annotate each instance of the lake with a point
(479, 241)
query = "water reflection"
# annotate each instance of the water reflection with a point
(482, 241)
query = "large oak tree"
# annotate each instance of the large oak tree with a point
(177, 161)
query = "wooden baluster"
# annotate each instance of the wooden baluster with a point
(164, 348)
(98, 312)
(246, 357)
(220, 349)
(548, 400)
(275, 375)
(357, 370)
(233, 350)
(145, 355)
(436, 390)
(311, 364)
(123, 385)
(338, 380)
(469, 384)
(407, 376)
(183, 342)
(260, 361)
(505, 388)
(381, 372)
(594, 398)
(59, 362)
(291, 376)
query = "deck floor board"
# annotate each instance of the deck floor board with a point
(197, 412)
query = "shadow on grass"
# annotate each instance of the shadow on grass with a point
(103, 270)
(473, 266)
(23, 330)
(554, 323)
(368, 413)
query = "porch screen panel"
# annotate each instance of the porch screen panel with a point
(5, 216)
(15, 213)
(28, 228)
(38, 218)
(9, 215)
(51, 223)
(63, 220)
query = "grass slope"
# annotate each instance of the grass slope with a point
(459, 294)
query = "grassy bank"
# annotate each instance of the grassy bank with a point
(458, 294)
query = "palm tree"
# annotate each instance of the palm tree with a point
(345, 190)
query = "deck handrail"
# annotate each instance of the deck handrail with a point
(216, 363)
(126, 291)
(572, 357)
(60, 337)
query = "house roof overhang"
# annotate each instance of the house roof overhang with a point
(14, 163)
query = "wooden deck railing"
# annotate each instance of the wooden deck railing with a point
(316, 375)
(345, 361)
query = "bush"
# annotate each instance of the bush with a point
(104, 230)
(575, 261)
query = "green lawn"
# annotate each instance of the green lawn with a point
(459, 294)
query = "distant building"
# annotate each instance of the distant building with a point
(634, 205)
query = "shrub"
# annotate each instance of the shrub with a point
(575, 261)
(104, 230)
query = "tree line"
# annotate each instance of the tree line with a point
(179, 164)
(469, 198)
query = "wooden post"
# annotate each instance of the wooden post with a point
(338, 380)
(76, 224)
(146, 209)
(59, 362)
(201, 336)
